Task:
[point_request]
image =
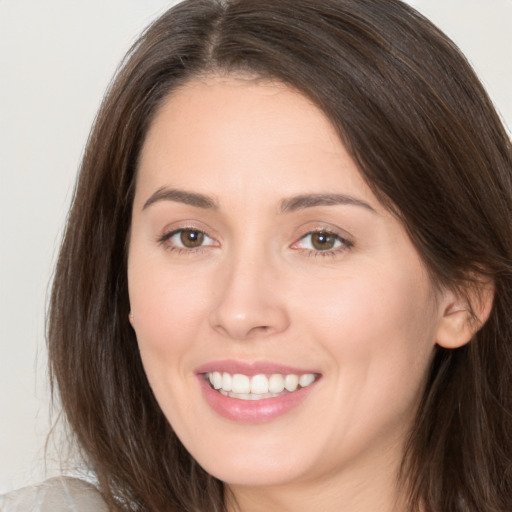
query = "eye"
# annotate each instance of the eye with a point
(187, 238)
(322, 241)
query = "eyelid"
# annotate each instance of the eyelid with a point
(169, 232)
(344, 238)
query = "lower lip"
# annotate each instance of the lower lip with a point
(252, 411)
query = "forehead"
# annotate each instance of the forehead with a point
(230, 134)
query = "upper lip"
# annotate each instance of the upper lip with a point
(251, 368)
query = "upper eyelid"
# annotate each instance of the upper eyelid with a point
(341, 234)
(175, 227)
(167, 235)
(344, 240)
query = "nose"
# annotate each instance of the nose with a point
(249, 302)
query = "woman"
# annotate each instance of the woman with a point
(286, 277)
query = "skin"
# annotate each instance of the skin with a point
(365, 315)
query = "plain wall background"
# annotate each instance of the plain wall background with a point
(56, 60)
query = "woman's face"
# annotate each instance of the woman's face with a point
(260, 260)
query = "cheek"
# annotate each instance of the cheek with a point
(167, 309)
(378, 335)
(167, 312)
(378, 329)
(373, 305)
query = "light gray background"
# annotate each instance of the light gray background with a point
(56, 59)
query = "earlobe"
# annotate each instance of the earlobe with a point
(464, 315)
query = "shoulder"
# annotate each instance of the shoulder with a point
(61, 494)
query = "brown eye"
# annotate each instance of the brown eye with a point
(187, 240)
(323, 241)
(191, 238)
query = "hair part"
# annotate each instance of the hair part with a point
(427, 140)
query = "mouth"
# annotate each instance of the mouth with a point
(258, 387)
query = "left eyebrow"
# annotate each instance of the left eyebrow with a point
(302, 202)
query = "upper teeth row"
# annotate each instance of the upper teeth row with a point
(259, 384)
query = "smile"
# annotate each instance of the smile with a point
(258, 387)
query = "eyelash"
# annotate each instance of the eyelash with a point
(337, 251)
(344, 243)
(166, 237)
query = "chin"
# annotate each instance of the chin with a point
(254, 461)
(249, 474)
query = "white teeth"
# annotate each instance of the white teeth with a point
(258, 386)
(240, 384)
(226, 381)
(306, 379)
(291, 382)
(244, 396)
(216, 380)
(276, 383)
(248, 396)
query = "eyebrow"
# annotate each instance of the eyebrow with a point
(311, 200)
(181, 196)
(292, 204)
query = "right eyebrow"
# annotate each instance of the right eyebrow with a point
(181, 196)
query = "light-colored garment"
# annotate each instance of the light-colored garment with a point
(62, 494)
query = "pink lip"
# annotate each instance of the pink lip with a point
(251, 411)
(250, 369)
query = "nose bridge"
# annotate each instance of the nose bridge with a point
(249, 301)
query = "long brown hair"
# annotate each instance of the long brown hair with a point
(426, 138)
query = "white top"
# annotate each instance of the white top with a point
(62, 494)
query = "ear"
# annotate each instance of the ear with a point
(464, 312)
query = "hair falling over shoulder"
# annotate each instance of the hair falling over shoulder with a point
(427, 140)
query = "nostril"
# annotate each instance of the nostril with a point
(261, 329)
